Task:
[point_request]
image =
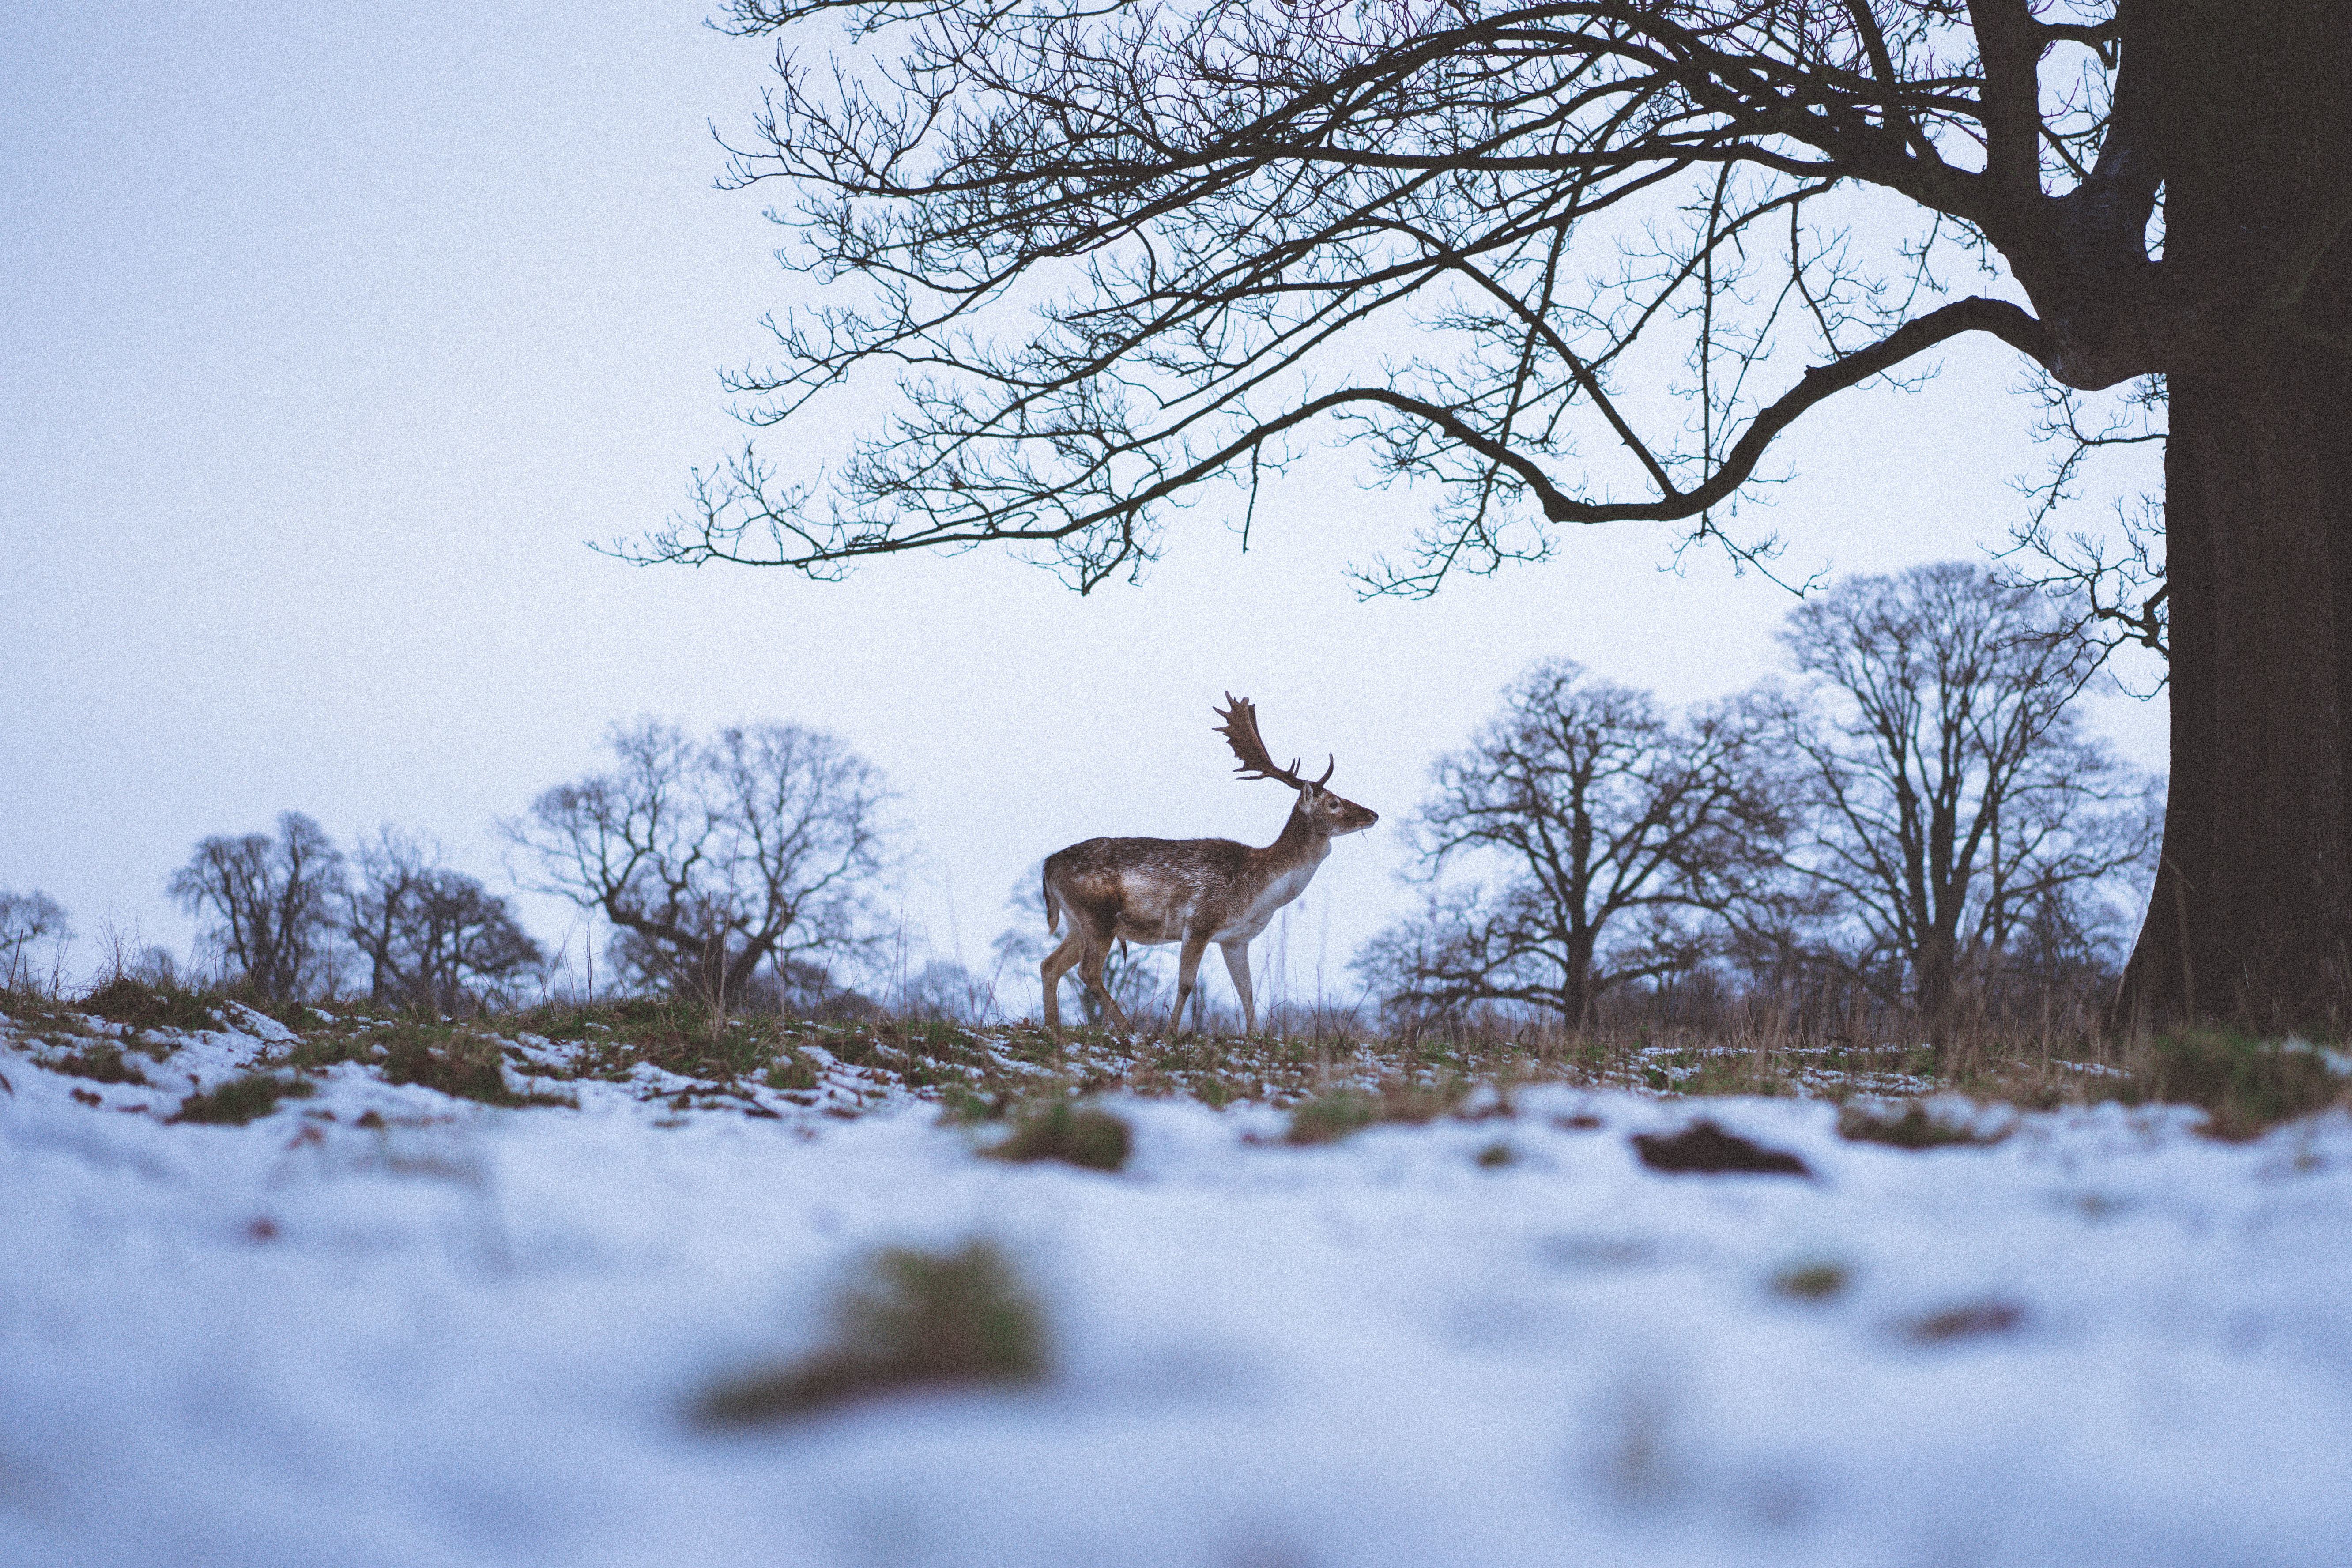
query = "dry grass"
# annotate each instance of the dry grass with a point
(1080, 1135)
(100, 1061)
(1333, 1081)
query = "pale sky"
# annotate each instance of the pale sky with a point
(334, 333)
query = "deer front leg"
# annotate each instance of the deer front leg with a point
(1090, 970)
(1237, 965)
(1057, 964)
(1188, 970)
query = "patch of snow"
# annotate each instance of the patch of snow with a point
(260, 1025)
(470, 1336)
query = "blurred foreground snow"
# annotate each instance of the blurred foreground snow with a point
(471, 1336)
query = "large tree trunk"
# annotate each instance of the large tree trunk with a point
(1932, 975)
(2252, 912)
(1576, 994)
(2252, 919)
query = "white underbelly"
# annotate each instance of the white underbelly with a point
(1262, 909)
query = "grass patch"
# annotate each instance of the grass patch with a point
(1084, 1136)
(789, 1072)
(1334, 1087)
(123, 1000)
(614, 1038)
(919, 1319)
(463, 1066)
(2246, 1085)
(325, 1048)
(961, 1106)
(1916, 1127)
(241, 1100)
(100, 1061)
(1330, 1116)
(456, 1065)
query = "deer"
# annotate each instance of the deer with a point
(1194, 891)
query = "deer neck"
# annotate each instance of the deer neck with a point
(1302, 844)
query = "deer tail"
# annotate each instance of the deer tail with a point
(1053, 904)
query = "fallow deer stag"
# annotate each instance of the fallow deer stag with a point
(1190, 890)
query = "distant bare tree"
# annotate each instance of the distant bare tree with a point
(947, 990)
(273, 903)
(432, 936)
(26, 919)
(1952, 800)
(713, 858)
(1607, 828)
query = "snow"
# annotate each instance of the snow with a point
(472, 1335)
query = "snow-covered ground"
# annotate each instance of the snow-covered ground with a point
(472, 1335)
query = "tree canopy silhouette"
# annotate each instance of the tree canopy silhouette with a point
(1116, 251)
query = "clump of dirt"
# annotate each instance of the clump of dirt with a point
(241, 1100)
(919, 1319)
(1812, 1282)
(1704, 1148)
(1965, 1322)
(1916, 1127)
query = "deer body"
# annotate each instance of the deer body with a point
(1194, 891)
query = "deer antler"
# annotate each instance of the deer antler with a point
(1240, 731)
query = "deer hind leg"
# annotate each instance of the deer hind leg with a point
(1057, 964)
(1090, 970)
(1237, 965)
(1188, 970)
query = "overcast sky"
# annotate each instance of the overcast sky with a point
(334, 333)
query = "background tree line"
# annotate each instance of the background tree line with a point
(1914, 816)
(731, 869)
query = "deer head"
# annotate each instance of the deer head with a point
(1326, 813)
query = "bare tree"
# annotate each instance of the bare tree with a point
(713, 858)
(944, 989)
(1609, 831)
(26, 919)
(1119, 250)
(1952, 803)
(272, 903)
(433, 937)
